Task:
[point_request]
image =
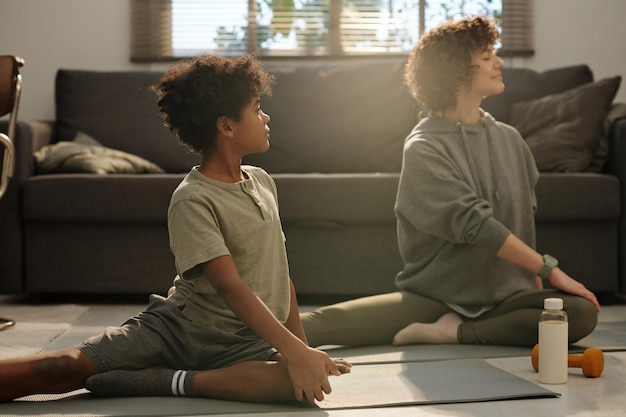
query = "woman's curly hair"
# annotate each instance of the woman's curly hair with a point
(194, 93)
(441, 62)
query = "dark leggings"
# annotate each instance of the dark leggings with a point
(375, 320)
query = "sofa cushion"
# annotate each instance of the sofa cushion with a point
(525, 84)
(119, 110)
(337, 116)
(304, 198)
(78, 198)
(583, 196)
(563, 130)
(325, 199)
(314, 198)
(85, 154)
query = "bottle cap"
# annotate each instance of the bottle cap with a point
(553, 304)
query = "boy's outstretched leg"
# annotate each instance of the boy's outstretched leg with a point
(148, 382)
(247, 381)
(254, 381)
(46, 373)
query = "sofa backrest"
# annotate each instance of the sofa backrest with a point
(337, 116)
(118, 109)
(327, 116)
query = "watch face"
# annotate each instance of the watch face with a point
(550, 261)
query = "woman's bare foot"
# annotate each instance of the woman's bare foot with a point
(444, 330)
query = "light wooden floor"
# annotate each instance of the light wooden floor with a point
(52, 326)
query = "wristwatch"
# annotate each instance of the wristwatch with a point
(549, 262)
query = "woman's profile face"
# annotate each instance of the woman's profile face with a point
(487, 76)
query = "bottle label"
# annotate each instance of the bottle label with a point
(552, 352)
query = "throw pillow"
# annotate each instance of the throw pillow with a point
(86, 155)
(563, 130)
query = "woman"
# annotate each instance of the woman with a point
(465, 217)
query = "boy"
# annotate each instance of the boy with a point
(229, 328)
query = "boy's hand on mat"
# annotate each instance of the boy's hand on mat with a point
(309, 369)
(343, 365)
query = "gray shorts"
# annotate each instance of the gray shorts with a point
(162, 336)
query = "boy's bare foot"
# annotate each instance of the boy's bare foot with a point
(444, 330)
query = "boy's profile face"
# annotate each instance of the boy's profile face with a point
(251, 133)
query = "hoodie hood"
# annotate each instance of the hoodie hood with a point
(436, 125)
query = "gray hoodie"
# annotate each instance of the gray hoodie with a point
(463, 189)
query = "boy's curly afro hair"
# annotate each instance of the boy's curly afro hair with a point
(194, 93)
(441, 62)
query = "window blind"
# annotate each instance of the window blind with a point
(151, 30)
(172, 29)
(517, 29)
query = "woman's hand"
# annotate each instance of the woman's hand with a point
(562, 281)
(518, 253)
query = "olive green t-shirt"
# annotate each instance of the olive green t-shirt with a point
(208, 219)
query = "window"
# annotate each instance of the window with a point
(172, 29)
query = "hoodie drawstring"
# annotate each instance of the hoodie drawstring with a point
(494, 177)
(466, 146)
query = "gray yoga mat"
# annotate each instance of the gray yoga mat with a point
(436, 382)
(368, 386)
(608, 336)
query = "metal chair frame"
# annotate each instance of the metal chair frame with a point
(13, 100)
(9, 103)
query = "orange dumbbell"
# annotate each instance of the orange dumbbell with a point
(591, 361)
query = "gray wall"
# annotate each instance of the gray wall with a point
(94, 34)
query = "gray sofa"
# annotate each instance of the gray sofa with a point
(337, 132)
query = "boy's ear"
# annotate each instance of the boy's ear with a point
(224, 126)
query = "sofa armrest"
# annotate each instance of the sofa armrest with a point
(617, 166)
(617, 149)
(615, 130)
(29, 136)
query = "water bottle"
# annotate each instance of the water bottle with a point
(553, 343)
